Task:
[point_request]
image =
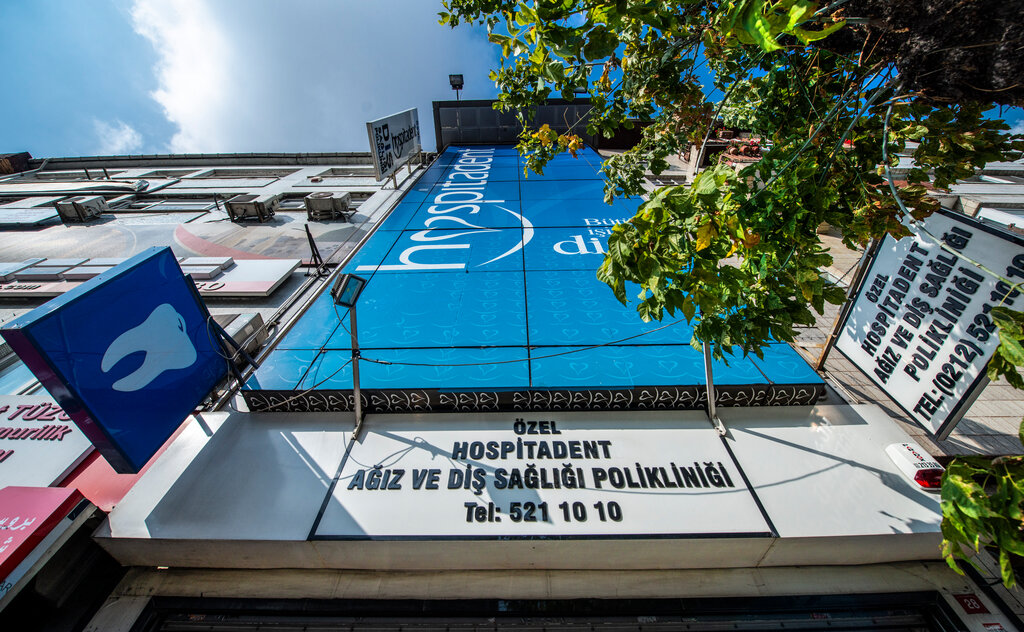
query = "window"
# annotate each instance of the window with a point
(168, 173)
(170, 204)
(350, 171)
(78, 175)
(15, 378)
(293, 202)
(245, 173)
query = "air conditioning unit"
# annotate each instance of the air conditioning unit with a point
(247, 330)
(327, 205)
(82, 208)
(260, 207)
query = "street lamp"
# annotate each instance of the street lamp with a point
(457, 83)
(346, 292)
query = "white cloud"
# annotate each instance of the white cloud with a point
(304, 76)
(194, 59)
(116, 137)
(1018, 127)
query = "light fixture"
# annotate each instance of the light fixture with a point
(457, 83)
(346, 290)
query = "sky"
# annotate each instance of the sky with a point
(103, 77)
(202, 76)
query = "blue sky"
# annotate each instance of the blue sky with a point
(157, 76)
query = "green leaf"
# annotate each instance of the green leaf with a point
(1010, 348)
(705, 234)
(705, 184)
(689, 310)
(806, 36)
(1006, 569)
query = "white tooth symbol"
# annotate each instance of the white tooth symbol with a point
(162, 337)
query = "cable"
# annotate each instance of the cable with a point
(544, 357)
(919, 225)
(308, 390)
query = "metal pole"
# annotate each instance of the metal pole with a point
(355, 374)
(854, 288)
(709, 378)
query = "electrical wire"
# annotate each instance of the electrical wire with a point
(308, 390)
(544, 357)
(530, 358)
(919, 225)
(341, 322)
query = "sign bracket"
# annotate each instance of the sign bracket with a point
(316, 260)
(712, 407)
(862, 269)
(357, 403)
(223, 338)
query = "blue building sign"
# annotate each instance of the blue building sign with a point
(482, 294)
(127, 355)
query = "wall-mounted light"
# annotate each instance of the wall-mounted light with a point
(456, 83)
(346, 290)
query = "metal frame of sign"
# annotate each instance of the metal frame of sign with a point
(978, 384)
(379, 171)
(127, 446)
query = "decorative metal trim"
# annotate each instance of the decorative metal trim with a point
(435, 401)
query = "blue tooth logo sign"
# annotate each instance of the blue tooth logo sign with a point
(462, 196)
(127, 355)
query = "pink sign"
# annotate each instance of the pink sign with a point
(27, 515)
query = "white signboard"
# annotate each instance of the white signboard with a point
(919, 327)
(393, 139)
(530, 475)
(39, 444)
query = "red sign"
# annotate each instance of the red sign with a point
(27, 515)
(971, 604)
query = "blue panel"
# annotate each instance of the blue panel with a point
(499, 171)
(589, 213)
(437, 309)
(316, 325)
(566, 249)
(491, 249)
(505, 151)
(628, 367)
(629, 204)
(458, 286)
(737, 372)
(413, 197)
(577, 309)
(128, 355)
(425, 184)
(585, 157)
(613, 367)
(496, 192)
(493, 368)
(428, 178)
(783, 365)
(564, 172)
(399, 217)
(372, 253)
(562, 189)
(466, 216)
(285, 369)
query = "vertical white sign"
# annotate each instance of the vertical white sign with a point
(393, 140)
(920, 325)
